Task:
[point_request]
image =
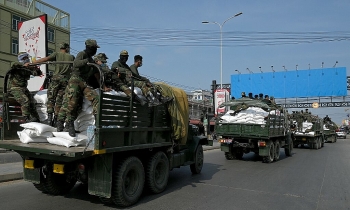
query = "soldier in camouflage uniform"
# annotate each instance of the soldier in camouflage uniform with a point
(125, 74)
(112, 79)
(78, 87)
(59, 80)
(145, 84)
(17, 85)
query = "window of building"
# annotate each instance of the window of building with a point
(14, 46)
(50, 51)
(15, 20)
(50, 34)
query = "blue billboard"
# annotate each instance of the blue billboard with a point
(292, 84)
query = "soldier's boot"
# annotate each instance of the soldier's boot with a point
(65, 129)
(59, 125)
(71, 129)
(153, 101)
(165, 99)
(48, 121)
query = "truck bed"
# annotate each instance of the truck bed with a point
(46, 150)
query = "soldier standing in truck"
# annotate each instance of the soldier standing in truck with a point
(58, 82)
(19, 75)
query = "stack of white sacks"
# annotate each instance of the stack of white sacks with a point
(41, 100)
(306, 125)
(252, 115)
(38, 132)
(41, 133)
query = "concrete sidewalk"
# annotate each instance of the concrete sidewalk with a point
(11, 164)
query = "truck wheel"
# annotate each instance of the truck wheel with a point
(269, 158)
(128, 182)
(197, 166)
(58, 184)
(229, 156)
(322, 142)
(157, 172)
(335, 139)
(289, 149)
(277, 151)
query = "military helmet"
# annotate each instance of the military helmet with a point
(101, 57)
(261, 95)
(64, 45)
(124, 52)
(91, 43)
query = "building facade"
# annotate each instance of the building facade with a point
(14, 11)
(200, 102)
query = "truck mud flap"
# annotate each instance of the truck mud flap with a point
(264, 151)
(100, 175)
(32, 175)
(225, 147)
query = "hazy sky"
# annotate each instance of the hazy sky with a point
(179, 49)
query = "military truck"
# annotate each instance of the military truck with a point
(307, 129)
(253, 126)
(134, 147)
(329, 131)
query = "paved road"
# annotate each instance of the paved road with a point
(310, 179)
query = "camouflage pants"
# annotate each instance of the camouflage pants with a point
(55, 93)
(26, 100)
(73, 98)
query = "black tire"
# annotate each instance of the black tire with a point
(288, 149)
(229, 156)
(295, 145)
(128, 182)
(157, 174)
(322, 141)
(277, 151)
(197, 166)
(270, 157)
(57, 184)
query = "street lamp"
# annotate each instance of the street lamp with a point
(221, 25)
(260, 69)
(250, 71)
(238, 71)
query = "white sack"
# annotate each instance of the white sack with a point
(24, 138)
(33, 133)
(41, 96)
(78, 138)
(39, 127)
(63, 142)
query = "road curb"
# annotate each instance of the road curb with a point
(11, 177)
